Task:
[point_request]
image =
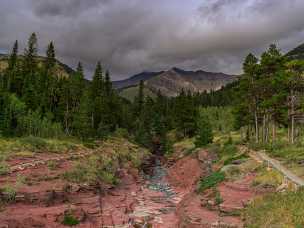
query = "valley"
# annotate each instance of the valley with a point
(42, 190)
(166, 149)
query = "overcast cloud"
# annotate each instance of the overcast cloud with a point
(130, 36)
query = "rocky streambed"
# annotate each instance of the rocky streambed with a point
(164, 196)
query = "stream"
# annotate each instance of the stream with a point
(157, 200)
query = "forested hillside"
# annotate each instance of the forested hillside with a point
(36, 100)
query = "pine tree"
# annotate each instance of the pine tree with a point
(108, 84)
(96, 96)
(12, 70)
(30, 55)
(47, 80)
(50, 57)
(12, 62)
(139, 99)
(185, 114)
(30, 72)
(77, 85)
(204, 132)
(82, 119)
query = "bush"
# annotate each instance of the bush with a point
(34, 143)
(9, 193)
(268, 178)
(4, 168)
(70, 220)
(122, 132)
(211, 181)
(93, 170)
(218, 198)
(52, 165)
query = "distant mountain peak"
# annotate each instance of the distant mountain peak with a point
(172, 81)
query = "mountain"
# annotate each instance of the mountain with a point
(171, 82)
(297, 53)
(62, 70)
(134, 80)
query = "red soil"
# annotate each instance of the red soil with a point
(44, 201)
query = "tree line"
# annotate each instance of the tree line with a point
(37, 100)
(270, 95)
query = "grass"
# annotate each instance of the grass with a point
(28, 146)
(211, 181)
(102, 166)
(4, 168)
(218, 198)
(52, 165)
(9, 193)
(268, 178)
(284, 210)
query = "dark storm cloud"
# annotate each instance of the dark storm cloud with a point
(135, 35)
(63, 7)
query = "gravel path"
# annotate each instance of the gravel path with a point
(262, 156)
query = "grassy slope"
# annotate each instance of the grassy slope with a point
(131, 92)
(102, 164)
(61, 70)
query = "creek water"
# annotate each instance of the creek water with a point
(157, 179)
(157, 197)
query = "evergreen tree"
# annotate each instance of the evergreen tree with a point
(82, 119)
(96, 96)
(30, 71)
(12, 70)
(108, 84)
(139, 99)
(204, 132)
(47, 83)
(185, 114)
(50, 58)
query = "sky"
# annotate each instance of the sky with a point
(131, 36)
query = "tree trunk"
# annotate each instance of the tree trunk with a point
(256, 127)
(267, 129)
(292, 129)
(264, 128)
(274, 131)
(292, 117)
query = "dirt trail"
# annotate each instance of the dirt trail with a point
(263, 157)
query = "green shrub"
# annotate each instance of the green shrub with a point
(268, 178)
(52, 165)
(9, 193)
(235, 158)
(218, 198)
(4, 168)
(211, 181)
(34, 143)
(229, 141)
(122, 132)
(93, 170)
(70, 220)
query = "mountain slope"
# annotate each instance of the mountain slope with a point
(297, 53)
(134, 80)
(171, 82)
(62, 70)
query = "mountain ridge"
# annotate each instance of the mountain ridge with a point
(172, 81)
